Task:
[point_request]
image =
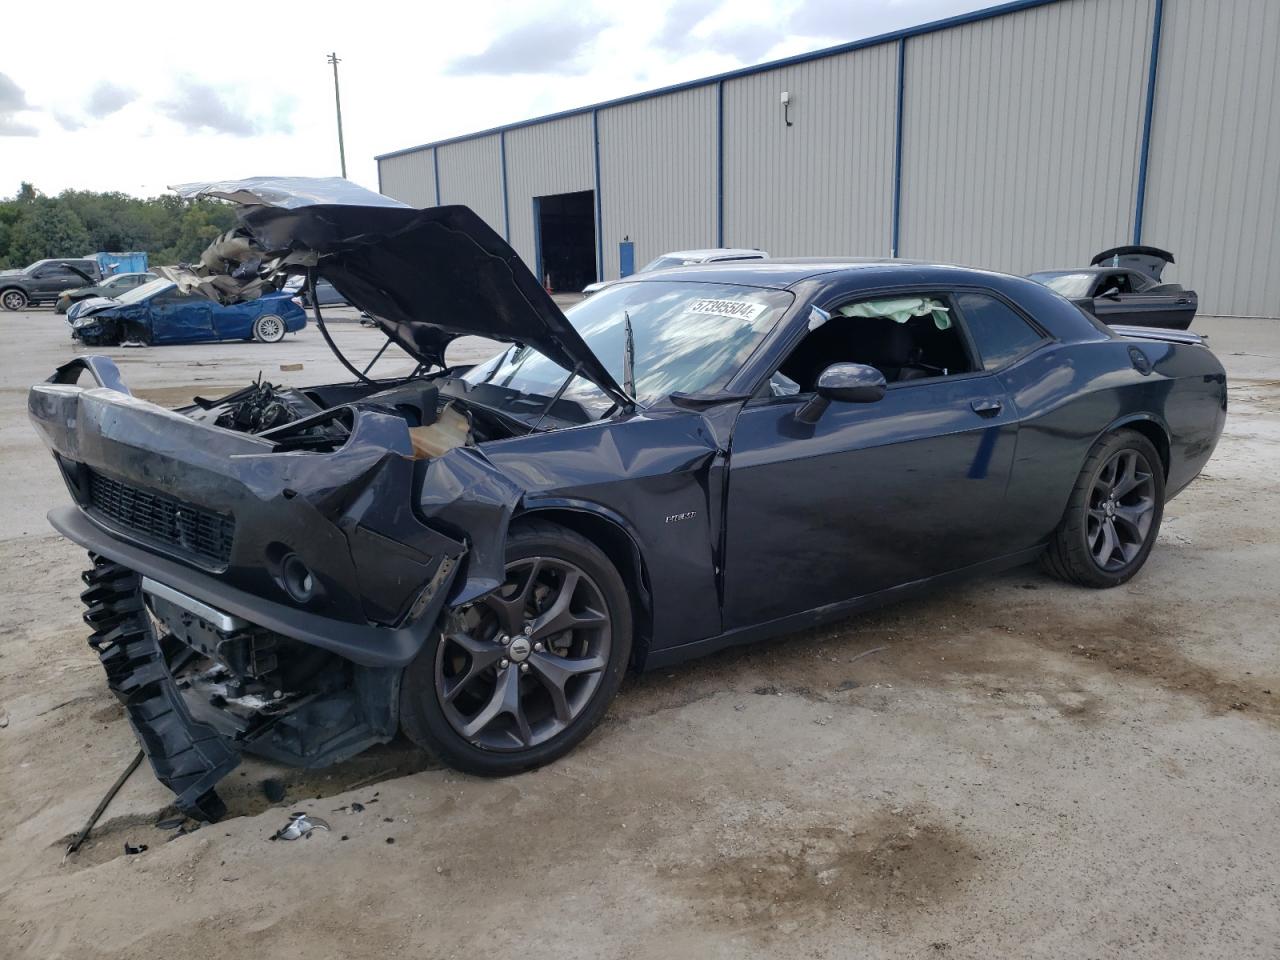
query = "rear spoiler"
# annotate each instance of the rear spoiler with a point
(1159, 333)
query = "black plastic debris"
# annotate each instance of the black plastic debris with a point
(357, 807)
(131, 849)
(391, 839)
(273, 790)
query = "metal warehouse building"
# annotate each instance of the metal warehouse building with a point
(1023, 137)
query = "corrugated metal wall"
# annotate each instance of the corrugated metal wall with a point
(825, 184)
(1021, 135)
(1213, 188)
(658, 175)
(471, 174)
(410, 178)
(543, 159)
(1021, 150)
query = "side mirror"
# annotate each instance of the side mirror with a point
(845, 383)
(1111, 293)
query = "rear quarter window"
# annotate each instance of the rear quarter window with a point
(1000, 333)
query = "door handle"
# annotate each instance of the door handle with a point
(1183, 300)
(986, 407)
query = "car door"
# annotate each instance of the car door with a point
(870, 497)
(53, 278)
(179, 319)
(1122, 296)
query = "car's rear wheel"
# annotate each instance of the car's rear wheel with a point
(521, 676)
(13, 299)
(269, 328)
(1113, 515)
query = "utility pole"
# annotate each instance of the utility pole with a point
(337, 102)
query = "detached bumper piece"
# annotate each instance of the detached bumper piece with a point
(188, 757)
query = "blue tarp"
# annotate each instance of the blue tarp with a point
(113, 263)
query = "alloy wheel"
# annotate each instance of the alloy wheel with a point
(1120, 510)
(270, 328)
(14, 300)
(517, 667)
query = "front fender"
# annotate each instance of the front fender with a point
(465, 496)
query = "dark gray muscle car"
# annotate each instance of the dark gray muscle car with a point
(1123, 285)
(690, 459)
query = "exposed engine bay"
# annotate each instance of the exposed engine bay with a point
(318, 418)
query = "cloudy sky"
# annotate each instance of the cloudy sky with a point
(95, 97)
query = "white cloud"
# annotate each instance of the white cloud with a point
(205, 108)
(107, 97)
(218, 101)
(13, 100)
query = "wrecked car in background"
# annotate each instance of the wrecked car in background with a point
(1123, 286)
(683, 462)
(158, 313)
(113, 286)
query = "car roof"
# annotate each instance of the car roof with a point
(780, 274)
(710, 252)
(1065, 270)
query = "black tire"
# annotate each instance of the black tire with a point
(269, 328)
(1074, 552)
(13, 299)
(422, 713)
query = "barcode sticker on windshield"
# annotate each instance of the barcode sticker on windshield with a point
(738, 309)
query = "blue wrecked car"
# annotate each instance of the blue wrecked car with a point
(158, 313)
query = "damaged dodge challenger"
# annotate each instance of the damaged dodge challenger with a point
(690, 459)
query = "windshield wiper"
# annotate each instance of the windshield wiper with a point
(628, 358)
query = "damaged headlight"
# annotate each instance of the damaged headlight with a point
(81, 322)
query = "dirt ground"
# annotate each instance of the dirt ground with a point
(1015, 768)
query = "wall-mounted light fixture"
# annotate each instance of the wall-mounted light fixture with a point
(786, 106)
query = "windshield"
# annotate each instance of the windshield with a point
(689, 337)
(1067, 284)
(148, 289)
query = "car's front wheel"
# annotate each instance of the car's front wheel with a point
(13, 299)
(269, 328)
(519, 677)
(1113, 515)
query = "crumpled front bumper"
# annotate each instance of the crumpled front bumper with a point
(380, 576)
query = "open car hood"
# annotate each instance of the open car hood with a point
(1149, 261)
(425, 276)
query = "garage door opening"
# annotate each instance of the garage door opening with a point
(566, 231)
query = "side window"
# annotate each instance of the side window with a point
(999, 332)
(907, 336)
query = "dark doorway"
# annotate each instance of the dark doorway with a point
(566, 231)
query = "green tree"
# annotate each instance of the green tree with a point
(48, 229)
(168, 228)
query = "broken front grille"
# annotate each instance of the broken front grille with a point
(205, 534)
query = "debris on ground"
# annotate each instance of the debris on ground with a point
(299, 825)
(131, 848)
(170, 823)
(83, 835)
(4, 718)
(290, 367)
(273, 789)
